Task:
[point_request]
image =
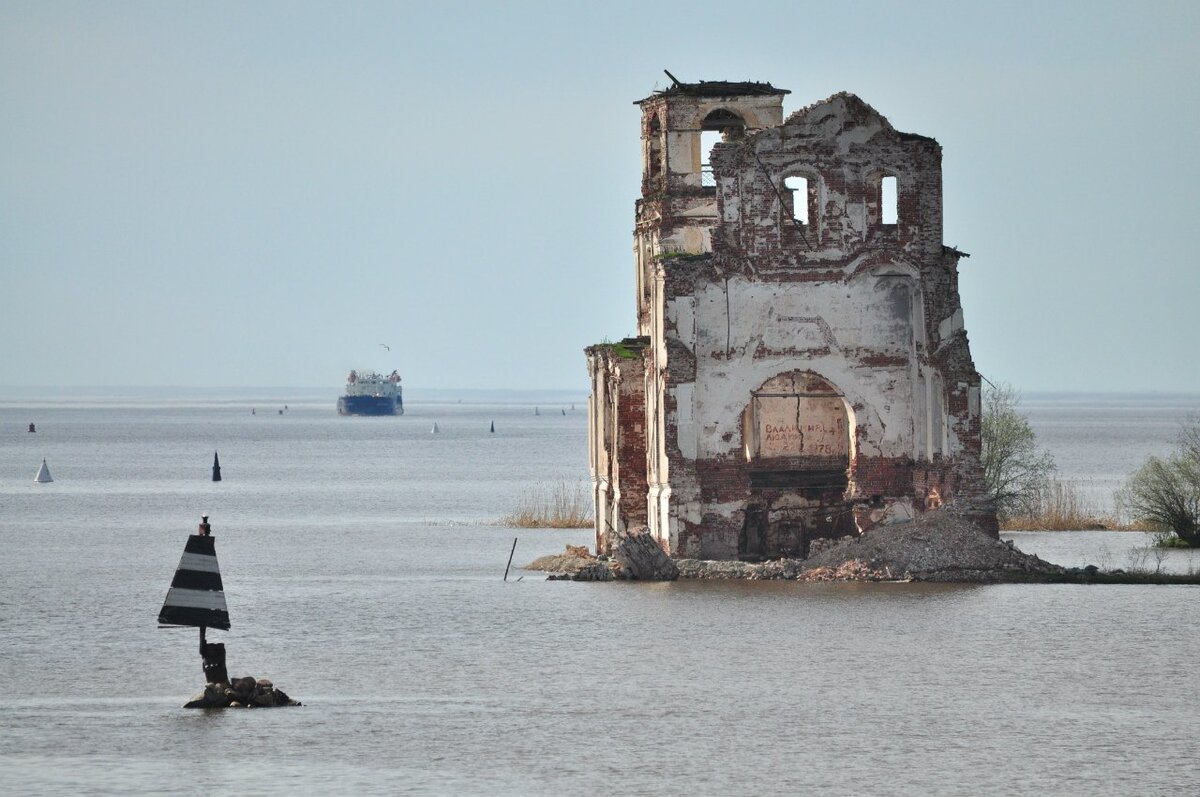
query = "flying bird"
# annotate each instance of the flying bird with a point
(384, 345)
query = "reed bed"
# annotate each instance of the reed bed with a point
(560, 505)
(1064, 506)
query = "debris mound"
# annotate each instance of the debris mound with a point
(943, 545)
(636, 556)
(935, 546)
(574, 559)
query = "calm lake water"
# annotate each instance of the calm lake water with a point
(363, 572)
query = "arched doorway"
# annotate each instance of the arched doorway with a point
(798, 440)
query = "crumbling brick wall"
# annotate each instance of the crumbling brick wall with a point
(618, 439)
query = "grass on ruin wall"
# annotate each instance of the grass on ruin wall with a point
(561, 505)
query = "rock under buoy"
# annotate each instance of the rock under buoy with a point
(246, 692)
(43, 474)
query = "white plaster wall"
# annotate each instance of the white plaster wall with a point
(681, 146)
(951, 324)
(822, 327)
(681, 312)
(685, 428)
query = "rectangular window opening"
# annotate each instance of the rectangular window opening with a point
(799, 188)
(708, 140)
(889, 199)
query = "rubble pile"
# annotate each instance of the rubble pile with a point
(942, 546)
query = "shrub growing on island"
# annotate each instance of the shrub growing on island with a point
(1165, 493)
(1016, 473)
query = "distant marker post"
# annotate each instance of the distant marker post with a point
(510, 556)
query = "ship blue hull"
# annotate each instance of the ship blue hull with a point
(370, 405)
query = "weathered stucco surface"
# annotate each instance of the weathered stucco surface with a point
(792, 383)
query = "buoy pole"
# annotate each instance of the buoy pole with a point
(211, 654)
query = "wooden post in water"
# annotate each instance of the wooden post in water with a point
(510, 556)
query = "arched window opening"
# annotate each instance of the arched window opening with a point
(727, 123)
(889, 200)
(718, 125)
(799, 188)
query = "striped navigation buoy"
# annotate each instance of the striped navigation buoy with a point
(196, 597)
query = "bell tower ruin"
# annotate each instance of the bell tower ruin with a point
(801, 372)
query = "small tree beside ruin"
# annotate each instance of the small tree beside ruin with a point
(1165, 493)
(1015, 470)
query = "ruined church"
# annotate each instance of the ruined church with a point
(800, 371)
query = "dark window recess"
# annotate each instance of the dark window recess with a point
(799, 479)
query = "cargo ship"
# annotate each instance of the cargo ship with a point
(369, 393)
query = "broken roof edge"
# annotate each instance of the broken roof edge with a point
(856, 103)
(852, 99)
(716, 88)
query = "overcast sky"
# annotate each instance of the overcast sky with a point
(261, 193)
